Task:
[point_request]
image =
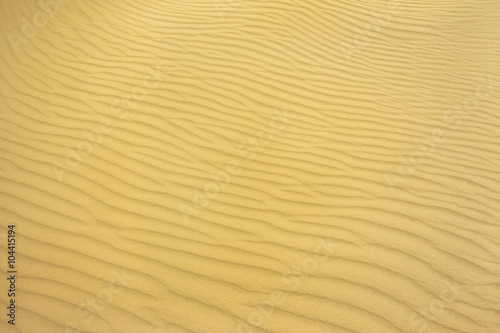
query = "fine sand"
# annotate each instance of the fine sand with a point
(235, 166)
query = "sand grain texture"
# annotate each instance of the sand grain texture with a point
(251, 166)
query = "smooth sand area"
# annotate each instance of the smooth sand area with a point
(250, 166)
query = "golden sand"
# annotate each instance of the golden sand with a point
(250, 166)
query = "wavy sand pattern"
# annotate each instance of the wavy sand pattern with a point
(251, 166)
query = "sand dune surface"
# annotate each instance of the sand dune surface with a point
(250, 166)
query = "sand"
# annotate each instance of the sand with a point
(250, 166)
